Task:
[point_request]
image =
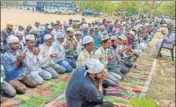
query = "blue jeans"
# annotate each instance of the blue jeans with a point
(68, 64)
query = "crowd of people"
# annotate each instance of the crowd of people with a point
(102, 52)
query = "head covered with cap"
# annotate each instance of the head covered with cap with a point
(87, 39)
(12, 39)
(93, 66)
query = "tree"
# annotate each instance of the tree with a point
(153, 5)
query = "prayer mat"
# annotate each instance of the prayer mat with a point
(41, 95)
(135, 84)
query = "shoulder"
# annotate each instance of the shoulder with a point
(98, 51)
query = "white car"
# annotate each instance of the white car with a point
(71, 12)
(51, 10)
(63, 11)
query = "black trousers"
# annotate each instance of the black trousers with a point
(93, 104)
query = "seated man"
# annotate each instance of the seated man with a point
(47, 55)
(101, 53)
(88, 51)
(6, 89)
(12, 61)
(59, 49)
(70, 45)
(82, 91)
(115, 64)
(32, 66)
(169, 40)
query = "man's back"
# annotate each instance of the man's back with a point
(79, 89)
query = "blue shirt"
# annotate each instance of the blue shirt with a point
(8, 61)
(80, 89)
(97, 39)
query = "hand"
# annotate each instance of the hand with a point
(75, 44)
(53, 55)
(110, 58)
(23, 55)
(102, 78)
(20, 58)
(101, 58)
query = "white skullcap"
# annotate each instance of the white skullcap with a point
(12, 39)
(47, 37)
(85, 26)
(21, 26)
(87, 39)
(70, 29)
(60, 35)
(34, 29)
(19, 33)
(131, 32)
(49, 27)
(113, 37)
(94, 66)
(163, 25)
(41, 28)
(29, 25)
(123, 37)
(147, 24)
(9, 23)
(78, 33)
(105, 37)
(30, 37)
(96, 27)
(101, 27)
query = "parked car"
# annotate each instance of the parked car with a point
(71, 12)
(88, 12)
(48, 9)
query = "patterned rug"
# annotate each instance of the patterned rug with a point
(51, 93)
(135, 84)
(40, 96)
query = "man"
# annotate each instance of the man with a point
(114, 64)
(59, 49)
(85, 30)
(47, 56)
(27, 30)
(92, 32)
(169, 41)
(21, 38)
(70, 44)
(12, 61)
(78, 36)
(32, 66)
(7, 32)
(35, 31)
(97, 37)
(55, 30)
(6, 88)
(70, 23)
(82, 91)
(89, 46)
(37, 24)
(42, 34)
(102, 54)
(20, 28)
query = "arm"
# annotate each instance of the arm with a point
(9, 68)
(94, 94)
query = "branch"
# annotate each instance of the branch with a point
(156, 6)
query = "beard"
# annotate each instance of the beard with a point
(114, 46)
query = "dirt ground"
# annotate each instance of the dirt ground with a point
(18, 16)
(162, 87)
